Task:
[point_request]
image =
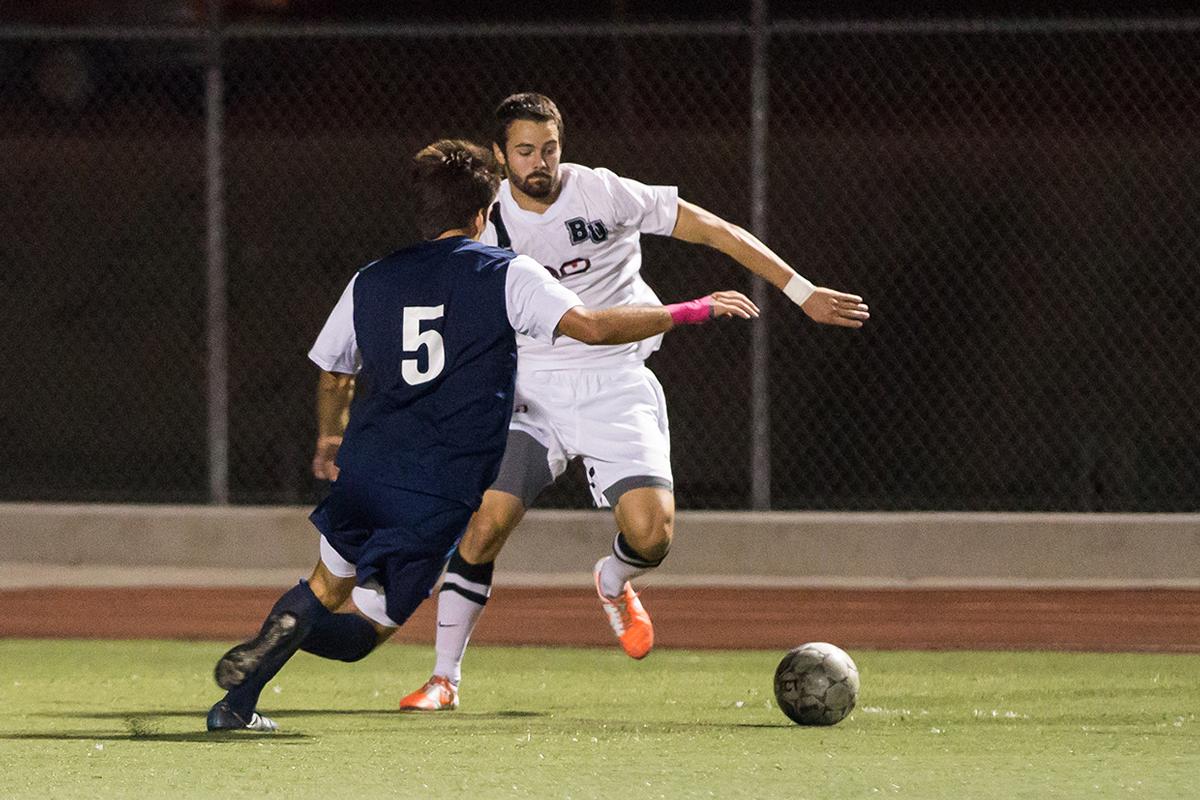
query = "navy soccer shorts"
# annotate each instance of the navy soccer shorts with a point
(398, 540)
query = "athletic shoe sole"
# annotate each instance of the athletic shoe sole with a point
(236, 665)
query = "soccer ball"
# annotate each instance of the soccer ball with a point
(816, 684)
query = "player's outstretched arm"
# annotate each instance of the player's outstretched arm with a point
(827, 306)
(334, 393)
(623, 324)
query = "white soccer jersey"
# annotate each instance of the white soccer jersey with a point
(590, 239)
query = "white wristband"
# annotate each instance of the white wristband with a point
(799, 289)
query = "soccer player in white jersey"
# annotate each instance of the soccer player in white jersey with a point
(598, 403)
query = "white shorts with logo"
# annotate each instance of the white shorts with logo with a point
(615, 419)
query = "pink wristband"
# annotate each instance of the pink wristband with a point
(693, 312)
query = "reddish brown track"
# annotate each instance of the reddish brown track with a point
(1149, 619)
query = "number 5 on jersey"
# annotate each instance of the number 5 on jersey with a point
(415, 339)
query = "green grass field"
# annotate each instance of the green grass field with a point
(126, 719)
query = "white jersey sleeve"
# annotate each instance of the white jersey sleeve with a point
(650, 209)
(536, 302)
(336, 348)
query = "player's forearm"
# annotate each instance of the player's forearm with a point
(696, 225)
(746, 249)
(623, 324)
(619, 325)
(334, 393)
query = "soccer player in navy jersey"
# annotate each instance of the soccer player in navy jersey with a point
(430, 334)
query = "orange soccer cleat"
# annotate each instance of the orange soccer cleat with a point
(628, 618)
(438, 694)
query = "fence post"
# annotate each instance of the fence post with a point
(760, 353)
(216, 323)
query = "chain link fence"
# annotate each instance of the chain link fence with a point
(1020, 207)
(1016, 203)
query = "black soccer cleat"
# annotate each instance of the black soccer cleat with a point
(223, 718)
(277, 635)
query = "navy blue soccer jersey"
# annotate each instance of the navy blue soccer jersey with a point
(430, 333)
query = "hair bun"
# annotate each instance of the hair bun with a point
(458, 158)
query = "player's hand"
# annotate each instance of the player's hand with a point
(323, 465)
(732, 304)
(836, 308)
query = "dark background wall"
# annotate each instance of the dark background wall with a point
(176, 12)
(1018, 208)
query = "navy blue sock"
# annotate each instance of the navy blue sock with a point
(344, 637)
(301, 602)
(475, 573)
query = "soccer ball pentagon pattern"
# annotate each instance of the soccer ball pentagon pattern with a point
(816, 684)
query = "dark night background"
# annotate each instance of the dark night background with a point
(1018, 207)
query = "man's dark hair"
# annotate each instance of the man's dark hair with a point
(452, 180)
(527, 105)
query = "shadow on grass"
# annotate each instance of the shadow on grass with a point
(224, 737)
(678, 726)
(288, 712)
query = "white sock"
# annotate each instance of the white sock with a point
(624, 565)
(615, 573)
(457, 615)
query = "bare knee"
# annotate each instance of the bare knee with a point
(652, 538)
(331, 590)
(646, 518)
(490, 527)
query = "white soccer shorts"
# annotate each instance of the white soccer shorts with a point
(615, 419)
